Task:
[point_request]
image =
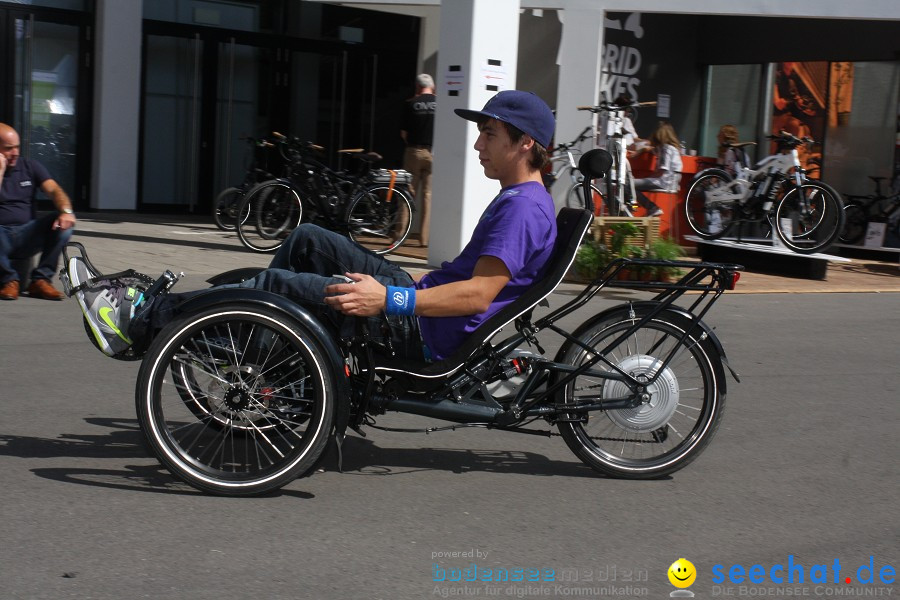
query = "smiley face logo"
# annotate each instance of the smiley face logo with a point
(682, 573)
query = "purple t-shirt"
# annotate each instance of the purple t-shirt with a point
(17, 192)
(519, 228)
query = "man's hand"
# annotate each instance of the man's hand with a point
(64, 221)
(363, 298)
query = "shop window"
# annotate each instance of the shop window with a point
(732, 97)
(862, 125)
(240, 16)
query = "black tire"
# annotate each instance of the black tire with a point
(709, 212)
(225, 208)
(685, 407)
(236, 400)
(856, 221)
(380, 218)
(809, 218)
(575, 199)
(273, 210)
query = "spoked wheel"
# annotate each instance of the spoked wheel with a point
(711, 205)
(225, 209)
(855, 223)
(681, 412)
(380, 218)
(236, 401)
(809, 218)
(270, 211)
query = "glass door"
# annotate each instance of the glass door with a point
(45, 87)
(171, 128)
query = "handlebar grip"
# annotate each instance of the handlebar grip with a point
(648, 103)
(278, 135)
(317, 147)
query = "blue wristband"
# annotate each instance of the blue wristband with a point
(400, 301)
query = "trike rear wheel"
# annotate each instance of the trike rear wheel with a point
(236, 400)
(682, 412)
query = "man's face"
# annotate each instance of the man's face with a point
(497, 153)
(9, 147)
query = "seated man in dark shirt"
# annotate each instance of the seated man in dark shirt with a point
(429, 318)
(22, 232)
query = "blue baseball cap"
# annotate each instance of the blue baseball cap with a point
(523, 110)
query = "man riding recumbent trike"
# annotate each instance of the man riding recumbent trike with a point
(244, 385)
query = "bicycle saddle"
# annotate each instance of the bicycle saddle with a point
(362, 154)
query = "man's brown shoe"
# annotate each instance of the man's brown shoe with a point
(41, 288)
(9, 290)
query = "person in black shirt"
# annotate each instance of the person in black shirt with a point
(417, 130)
(22, 232)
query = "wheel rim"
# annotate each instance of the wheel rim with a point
(675, 418)
(236, 399)
(809, 218)
(708, 208)
(855, 222)
(268, 214)
(380, 219)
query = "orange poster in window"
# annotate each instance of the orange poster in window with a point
(799, 105)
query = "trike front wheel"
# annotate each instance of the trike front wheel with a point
(683, 406)
(236, 400)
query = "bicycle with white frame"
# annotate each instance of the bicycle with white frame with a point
(564, 161)
(620, 193)
(806, 214)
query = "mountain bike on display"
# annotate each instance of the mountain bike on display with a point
(243, 392)
(806, 214)
(373, 207)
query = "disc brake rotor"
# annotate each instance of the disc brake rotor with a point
(664, 394)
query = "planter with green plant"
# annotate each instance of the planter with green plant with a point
(667, 249)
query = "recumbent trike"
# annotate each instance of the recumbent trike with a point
(244, 391)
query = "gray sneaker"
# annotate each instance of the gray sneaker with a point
(108, 306)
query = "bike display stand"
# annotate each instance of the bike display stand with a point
(762, 255)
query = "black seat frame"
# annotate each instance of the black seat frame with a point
(571, 226)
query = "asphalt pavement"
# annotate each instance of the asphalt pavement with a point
(803, 472)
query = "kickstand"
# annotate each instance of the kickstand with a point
(338, 442)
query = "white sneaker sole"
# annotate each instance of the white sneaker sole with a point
(94, 325)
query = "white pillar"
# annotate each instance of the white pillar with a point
(579, 62)
(117, 88)
(478, 48)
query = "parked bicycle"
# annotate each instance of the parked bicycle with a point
(373, 207)
(807, 215)
(564, 162)
(620, 195)
(225, 207)
(859, 211)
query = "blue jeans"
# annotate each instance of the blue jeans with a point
(24, 241)
(307, 262)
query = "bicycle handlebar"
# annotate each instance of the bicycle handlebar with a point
(584, 135)
(791, 139)
(609, 106)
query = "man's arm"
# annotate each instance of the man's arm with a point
(62, 203)
(473, 296)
